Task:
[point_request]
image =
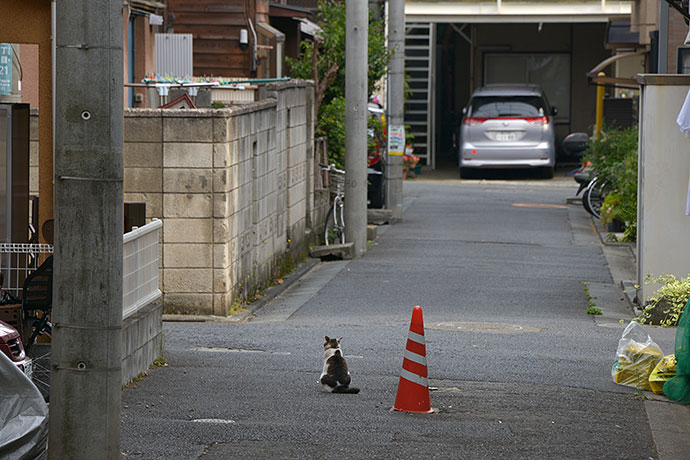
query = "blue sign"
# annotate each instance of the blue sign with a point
(5, 69)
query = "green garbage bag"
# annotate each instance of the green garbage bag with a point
(678, 388)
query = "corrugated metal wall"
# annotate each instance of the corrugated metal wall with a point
(174, 55)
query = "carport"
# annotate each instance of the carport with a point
(454, 47)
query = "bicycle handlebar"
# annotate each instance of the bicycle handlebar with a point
(331, 167)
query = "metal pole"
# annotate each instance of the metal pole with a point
(356, 53)
(87, 280)
(396, 107)
(599, 120)
(662, 66)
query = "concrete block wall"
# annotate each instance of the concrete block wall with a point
(295, 137)
(142, 340)
(233, 188)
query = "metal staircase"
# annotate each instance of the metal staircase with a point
(419, 103)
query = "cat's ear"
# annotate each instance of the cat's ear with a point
(328, 339)
(339, 339)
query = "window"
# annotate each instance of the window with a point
(507, 106)
(684, 59)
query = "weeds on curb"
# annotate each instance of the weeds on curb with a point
(591, 305)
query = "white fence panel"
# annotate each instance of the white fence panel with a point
(140, 267)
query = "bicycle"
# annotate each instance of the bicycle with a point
(593, 196)
(593, 189)
(334, 224)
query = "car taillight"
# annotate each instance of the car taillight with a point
(16, 349)
(537, 120)
(474, 121)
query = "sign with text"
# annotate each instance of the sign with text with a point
(396, 140)
(5, 69)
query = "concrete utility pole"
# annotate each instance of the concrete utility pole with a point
(396, 107)
(356, 54)
(87, 281)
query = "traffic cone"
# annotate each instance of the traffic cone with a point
(413, 387)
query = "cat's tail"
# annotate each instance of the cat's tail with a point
(346, 389)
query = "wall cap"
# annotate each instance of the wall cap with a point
(227, 112)
(663, 79)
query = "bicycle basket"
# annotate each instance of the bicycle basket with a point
(336, 181)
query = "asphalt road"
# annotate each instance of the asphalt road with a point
(520, 370)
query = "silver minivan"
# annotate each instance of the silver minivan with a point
(507, 126)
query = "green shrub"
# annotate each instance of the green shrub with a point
(332, 125)
(614, 160)
(668, 302)
(328, 66)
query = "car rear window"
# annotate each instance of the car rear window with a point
(507, 106)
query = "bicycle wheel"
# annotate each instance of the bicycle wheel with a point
(334, 225)
(40, 354)
(595, 196)
(40, 357)
(585, 199)
(340, 219)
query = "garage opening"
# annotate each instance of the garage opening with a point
(464, 56)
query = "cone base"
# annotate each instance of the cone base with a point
(412, 397)
(430, 411)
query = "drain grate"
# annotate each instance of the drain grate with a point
(482, 328)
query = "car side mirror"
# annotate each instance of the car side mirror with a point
(554, 110)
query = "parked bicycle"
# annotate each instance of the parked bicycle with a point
(593, 189)
(334, 225)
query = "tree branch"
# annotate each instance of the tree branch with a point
(321, 86)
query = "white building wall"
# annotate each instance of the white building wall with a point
(663, 237)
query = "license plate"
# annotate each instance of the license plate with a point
(506, 136)
(28, 368)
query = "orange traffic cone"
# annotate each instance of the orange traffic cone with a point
(413, 388)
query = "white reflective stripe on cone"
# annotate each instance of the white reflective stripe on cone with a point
(414, 357)
(414, 378)
(416, 338)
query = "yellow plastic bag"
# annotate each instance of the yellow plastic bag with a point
(637, 355)
(663, 371)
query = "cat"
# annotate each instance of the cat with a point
(335, 376)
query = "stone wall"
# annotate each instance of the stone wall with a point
(234, 188)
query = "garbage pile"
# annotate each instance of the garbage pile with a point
(641, 364)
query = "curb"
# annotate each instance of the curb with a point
(627, 287)
(270, 294)
(274, 291)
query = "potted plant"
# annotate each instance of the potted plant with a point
(410, 162)
(611, 213)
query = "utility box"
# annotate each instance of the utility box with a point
(14, 173)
